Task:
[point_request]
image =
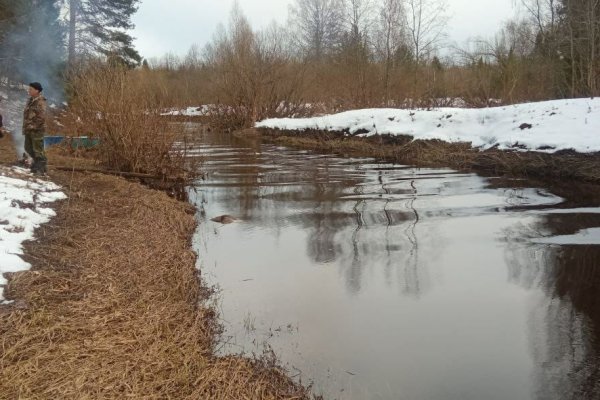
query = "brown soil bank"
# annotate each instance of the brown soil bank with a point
(113, 306)
(564, 165)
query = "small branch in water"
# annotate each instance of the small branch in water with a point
(117, 173)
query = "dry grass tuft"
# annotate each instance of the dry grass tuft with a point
(113, 307)
(68, 157)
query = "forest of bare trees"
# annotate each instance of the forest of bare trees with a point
(335, 55)
(330, 55)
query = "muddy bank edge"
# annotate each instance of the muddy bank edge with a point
(562, 165)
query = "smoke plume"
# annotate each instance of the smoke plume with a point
(32, 49)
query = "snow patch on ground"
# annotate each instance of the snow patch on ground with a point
(189, 111)
(23, 208)
(546, 126)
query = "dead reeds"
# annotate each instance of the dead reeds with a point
(114, 309)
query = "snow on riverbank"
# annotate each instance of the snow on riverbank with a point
(23, 208)
(201, 111)
(544, 126)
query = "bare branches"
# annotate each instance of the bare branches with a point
(254, 75)
(360, 18)
(426, 22)
(318, 25)
(543, 14)
(390, 37)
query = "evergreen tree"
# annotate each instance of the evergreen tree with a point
(100, 27)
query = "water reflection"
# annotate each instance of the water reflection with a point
(565, 323)
(393, 279)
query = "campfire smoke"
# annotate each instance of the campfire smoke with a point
(30, 51)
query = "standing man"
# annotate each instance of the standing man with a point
(34, 128)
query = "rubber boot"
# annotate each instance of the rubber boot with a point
(38, 168)
(43, 167)
(35, 166)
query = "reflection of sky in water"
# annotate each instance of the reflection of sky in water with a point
(582, 237)
(381, 281)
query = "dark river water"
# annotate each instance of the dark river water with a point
(379, 281)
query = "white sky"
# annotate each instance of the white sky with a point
(174, 25)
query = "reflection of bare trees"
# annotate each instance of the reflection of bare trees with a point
(361, 219)
(384, 236)
(322, 243)
(412, 285)
(565, 325)
(570, 364)
(353, 274)
(388, 243)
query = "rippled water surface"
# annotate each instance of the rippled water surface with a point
(381, 281)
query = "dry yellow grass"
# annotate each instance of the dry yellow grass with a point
(113, 308)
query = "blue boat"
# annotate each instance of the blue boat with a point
(75, 142)
(52, 140)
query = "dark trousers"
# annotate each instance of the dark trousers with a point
(34, 146)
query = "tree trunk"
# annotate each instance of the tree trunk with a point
(73, 10)
(593, 43)
(572, 48)
(388, 58)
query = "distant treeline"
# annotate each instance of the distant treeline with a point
(340, 54)
(331, 55)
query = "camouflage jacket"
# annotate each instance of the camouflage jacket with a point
(34, 117)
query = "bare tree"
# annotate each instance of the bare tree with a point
(591, 24)
(193, 58)
(254, 76)
(577, 42)
(426, 22)
(318, 25)
(391, 34)
(543, 14)
(360, 17)
(355, 53)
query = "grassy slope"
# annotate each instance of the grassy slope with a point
(113, 306)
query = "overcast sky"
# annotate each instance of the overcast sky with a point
(174, 25)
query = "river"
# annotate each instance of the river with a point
(370, 280)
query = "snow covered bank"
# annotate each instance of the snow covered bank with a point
(23, 208)
(544, 126)
(201, 111)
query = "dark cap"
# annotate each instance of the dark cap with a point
(37, 86)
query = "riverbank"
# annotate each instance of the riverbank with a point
(114, 308)
(546, 140)
(565, 166)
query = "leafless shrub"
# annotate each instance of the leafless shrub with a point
(253, 74)
(117, 106)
